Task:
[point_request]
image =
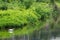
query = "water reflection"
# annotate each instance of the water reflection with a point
(37, 35)
(57, 38)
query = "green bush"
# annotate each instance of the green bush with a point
(16, 17)
(42, 10)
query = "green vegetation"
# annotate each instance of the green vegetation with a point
(25, 16)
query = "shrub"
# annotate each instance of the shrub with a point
(10, 18)
(42, 10)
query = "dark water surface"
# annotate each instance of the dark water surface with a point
(36, 35)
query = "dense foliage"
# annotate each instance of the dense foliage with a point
(22, 13)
